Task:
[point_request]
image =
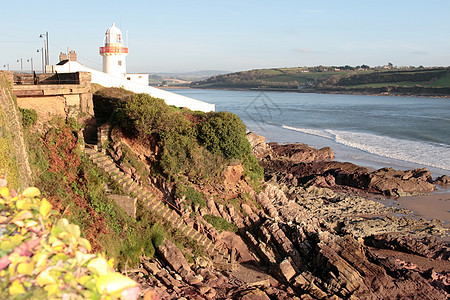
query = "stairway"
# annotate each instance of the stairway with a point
(220, 257)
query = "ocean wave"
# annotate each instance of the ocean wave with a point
(429, 154)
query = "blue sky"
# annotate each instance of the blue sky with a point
(184, 36)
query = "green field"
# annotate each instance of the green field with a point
(316, 78)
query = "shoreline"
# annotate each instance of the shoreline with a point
(326, 92)
(435, 205)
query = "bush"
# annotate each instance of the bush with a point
(29, 117)
(184, 135)
(224, 132)
(191, 195)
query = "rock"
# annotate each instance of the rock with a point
(211, 204)
(393, 182)
(173, 257)
(151, 267)
(254, 294)
(235, 242)
(442, 180)
(258, 144)
(202, 288)
(232, 175)
(424, 246)
(201, 262)
(286, 269)
(298, 153)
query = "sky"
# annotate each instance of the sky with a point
(187, 36)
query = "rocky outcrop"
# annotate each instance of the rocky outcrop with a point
(318, 259)
(342, 175)
(258, 144)
(393, 182)
(443, 180)
(298, 153)
(427, 246)
(301, 164)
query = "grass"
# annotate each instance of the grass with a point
(387, 84)
(220, 223)
(442, 82)
(192, 196)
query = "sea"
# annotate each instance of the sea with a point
(371, 131)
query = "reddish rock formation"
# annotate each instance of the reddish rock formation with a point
(297, 153)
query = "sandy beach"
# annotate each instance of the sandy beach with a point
(430, 206)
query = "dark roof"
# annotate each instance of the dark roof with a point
(63, 62)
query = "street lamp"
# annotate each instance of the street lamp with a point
(7, 65)
(21, 64)
(42, 53)
(47, 56)
(31, 60)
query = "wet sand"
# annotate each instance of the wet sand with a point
(431, 206)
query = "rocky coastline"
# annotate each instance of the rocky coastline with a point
(316, 231)
(383, 91)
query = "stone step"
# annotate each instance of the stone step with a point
(90, 151)
(109, 168)
(99, 159)
(178, 225)
(140, 193)
(131, 186)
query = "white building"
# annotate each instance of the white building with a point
(114, 73)
(114, 52)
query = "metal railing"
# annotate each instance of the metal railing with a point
(113, 49)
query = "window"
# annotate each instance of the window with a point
(119, 62)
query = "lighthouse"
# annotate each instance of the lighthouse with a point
(114, 53)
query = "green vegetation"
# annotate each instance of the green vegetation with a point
(29, 117)
(191, 195)
(46, 258)
(76, 189)
(8, 162)
(220, 223)
(193, 144)
(360, 78)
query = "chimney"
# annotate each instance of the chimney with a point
(62, 56)
(72, 56)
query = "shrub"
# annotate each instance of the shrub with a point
(184, 135)
(29, 117)
(191, 195)
(224, 132)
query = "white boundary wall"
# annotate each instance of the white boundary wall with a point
(107, 80)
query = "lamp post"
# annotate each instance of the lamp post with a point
(42, 53)
(21, 64)
(31, 63)
(7, 65)
(47, 56)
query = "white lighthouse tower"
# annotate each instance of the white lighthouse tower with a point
(114, 53)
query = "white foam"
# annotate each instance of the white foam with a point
(429, 154)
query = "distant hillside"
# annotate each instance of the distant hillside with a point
(433, 81)
(186, 76)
